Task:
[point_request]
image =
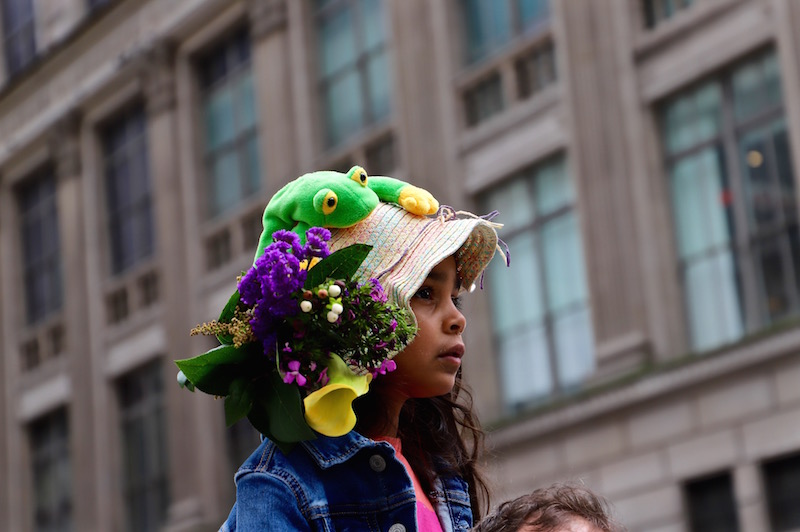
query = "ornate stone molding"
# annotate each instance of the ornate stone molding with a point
(266, 17)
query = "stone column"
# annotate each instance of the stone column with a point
(192, 484)
(419, 106)
(596, 67)
(7, 313)
(66, 155)
(272, 65)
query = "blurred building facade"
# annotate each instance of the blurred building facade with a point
(643, 155)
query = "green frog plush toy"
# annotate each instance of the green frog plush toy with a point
(333, 199)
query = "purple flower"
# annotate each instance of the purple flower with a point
(386, 367)
(292, 239)
(316, 243)
(294, 375)
(377, 293)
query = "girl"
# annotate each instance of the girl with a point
(411, 463)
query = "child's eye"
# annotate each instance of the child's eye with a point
(424, 293)
(457, 302)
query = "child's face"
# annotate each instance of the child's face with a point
(428, 366)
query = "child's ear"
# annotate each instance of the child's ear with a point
(325, 201)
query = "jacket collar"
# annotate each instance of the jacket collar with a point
(327, 451)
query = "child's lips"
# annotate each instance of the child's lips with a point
(454, 353)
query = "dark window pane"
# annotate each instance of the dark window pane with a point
(128, 190)
(484, 100)
(52, 474)
(756, 86)
(536, 70)
(143, 435)
(711, 505)
(487, 26)
(354, 74)
(782, 482)
(230, 122)
(657, 11)
(40, 247)
(18, 34)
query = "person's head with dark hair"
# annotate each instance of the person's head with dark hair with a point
(558, 508)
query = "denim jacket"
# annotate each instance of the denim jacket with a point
(336, 484)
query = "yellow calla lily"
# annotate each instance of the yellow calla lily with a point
(329, 410)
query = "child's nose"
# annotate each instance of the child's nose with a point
(457, 322)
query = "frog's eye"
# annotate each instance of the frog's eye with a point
(329, 203)
(359, 175)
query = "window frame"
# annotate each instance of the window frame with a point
(225, 43)
(526, 65)
(779, 464)
(536, 227)
(372, 129)
(23, 31)
(148, 376)
(51, 264)
(744, 244)
(688, 485)
(143, 253)
(49, 456)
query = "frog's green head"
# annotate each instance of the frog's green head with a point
(343, 200)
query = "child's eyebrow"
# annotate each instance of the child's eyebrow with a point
(441, 277)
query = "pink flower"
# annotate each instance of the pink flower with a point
(294, 375)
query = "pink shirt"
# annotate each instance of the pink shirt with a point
(427, 521)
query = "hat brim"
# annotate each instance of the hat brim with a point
(406, 247)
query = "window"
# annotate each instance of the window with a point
(782, 483)
(500, 75)
(354, 75)
(230, 123)
(19, 30)
(733, 202)
(52, 473)
(144, 451)
(657, 11)
(128, 189)
(40, 247)
(540, 306)
(490, 25)
(710, 505)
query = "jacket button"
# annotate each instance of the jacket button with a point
(397, 527)
(378, 464)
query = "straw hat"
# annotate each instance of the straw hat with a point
(406, 247)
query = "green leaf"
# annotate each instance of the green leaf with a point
(215, 370)
(285, 410)
(341, 264)
(259, 418)
(239, 401)
(227, 314)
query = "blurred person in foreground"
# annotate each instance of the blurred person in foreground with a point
(558, 508)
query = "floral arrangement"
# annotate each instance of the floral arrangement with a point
(300, 340)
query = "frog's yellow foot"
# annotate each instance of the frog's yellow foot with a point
(417, 200)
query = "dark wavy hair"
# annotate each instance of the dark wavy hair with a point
(549, 510)
(438, 434)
